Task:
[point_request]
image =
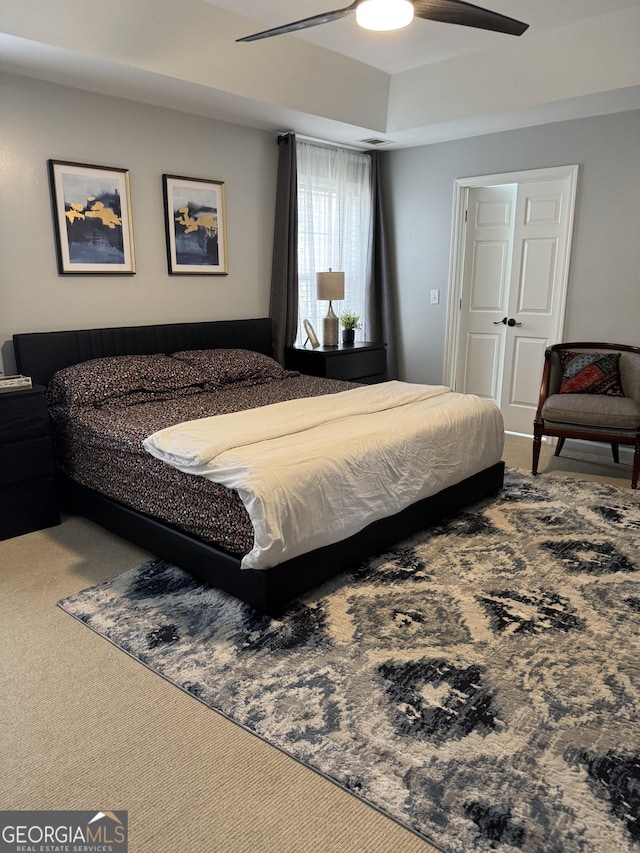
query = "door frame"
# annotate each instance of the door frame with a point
(461, 187)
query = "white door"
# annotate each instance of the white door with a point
(536, 296)
(512, 292)
(488, 254)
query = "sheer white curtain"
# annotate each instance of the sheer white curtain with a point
(334, 229)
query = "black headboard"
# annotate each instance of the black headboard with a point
(40, 354)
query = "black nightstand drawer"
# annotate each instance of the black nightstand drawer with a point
(23, 415)
(28, 506)
(27, 460)
(358, 364)
(362, 361)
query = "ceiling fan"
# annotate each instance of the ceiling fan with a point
(395, 14)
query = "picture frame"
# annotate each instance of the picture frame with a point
(92, 219)
(311, 334)
(196, 225)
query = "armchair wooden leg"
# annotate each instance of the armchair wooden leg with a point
(614, 451)
(559, 446)
(537, 441)
(636, 468)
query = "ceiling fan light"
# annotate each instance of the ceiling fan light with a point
(384, 14)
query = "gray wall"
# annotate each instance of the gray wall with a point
(41, 121)
(603, 301)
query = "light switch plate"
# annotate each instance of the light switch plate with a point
(435, 297)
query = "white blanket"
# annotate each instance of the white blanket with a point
(317, 470)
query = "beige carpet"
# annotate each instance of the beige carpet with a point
(85, 727)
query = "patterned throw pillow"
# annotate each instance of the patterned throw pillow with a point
(220, 367)
(134, 378)
(591, 373)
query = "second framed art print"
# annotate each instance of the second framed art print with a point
(196, 226)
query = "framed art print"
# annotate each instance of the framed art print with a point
(195, 219)
(92, 219)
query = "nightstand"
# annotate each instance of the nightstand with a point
(360, 362)
(27, 487)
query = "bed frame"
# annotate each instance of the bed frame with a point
(41, 354)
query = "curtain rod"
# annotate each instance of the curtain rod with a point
(323, 142)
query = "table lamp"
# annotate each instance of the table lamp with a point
(330, 285)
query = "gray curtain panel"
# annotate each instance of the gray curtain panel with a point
(283, 308)
(379, 295)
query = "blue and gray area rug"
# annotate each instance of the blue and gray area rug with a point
(480, 683)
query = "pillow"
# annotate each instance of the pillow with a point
(220, 367)
(590, 373)
(148, 377)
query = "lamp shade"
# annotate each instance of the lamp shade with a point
(329, 285)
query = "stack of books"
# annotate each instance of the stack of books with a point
(16, 382)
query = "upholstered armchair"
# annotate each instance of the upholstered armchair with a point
(590, 391)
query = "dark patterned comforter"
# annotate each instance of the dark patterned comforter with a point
(101, 447)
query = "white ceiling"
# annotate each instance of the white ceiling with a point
(427, 83)
(423, 42)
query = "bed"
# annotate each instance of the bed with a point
(214, 556)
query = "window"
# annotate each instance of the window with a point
(334, 228)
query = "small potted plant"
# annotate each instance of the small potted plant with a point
(349, 322)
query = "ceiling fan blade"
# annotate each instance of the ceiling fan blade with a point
(467, 15)
(313, 21)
